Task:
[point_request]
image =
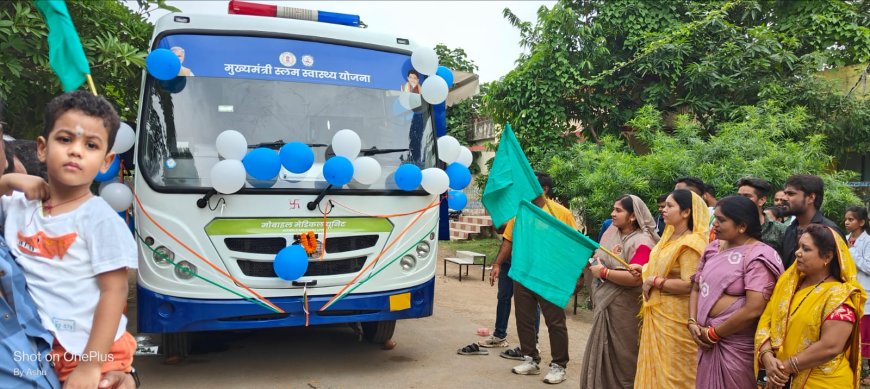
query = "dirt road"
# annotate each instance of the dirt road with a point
(331, 357)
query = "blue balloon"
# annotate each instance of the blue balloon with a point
(262, 163)
(459, 176)
(112, 172)
(297, 157)
(446, 74)
(174, 85)
(440, 124)
(440, 108)
(163, 64)
(291, 262)
(456, 200)
(408, 177)
(338, 170)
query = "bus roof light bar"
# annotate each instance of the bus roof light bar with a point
(255, 9)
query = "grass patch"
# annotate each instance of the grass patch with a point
(487, 246)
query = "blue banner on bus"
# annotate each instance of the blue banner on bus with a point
(290, 60)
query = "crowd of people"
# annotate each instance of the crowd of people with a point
(718, 293)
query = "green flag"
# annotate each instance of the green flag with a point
(510, 180)
(65, 51)
(548, 255)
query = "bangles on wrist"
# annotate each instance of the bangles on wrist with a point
(794, 365)
(712, 335)
(603, 274)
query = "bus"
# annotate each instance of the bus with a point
(206, 259)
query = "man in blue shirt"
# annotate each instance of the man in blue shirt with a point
(25, 345)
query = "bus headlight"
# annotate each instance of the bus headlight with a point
(408, 262)
(423, 249)
(185, 270)
(161, 254)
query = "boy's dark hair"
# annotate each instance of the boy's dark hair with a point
(760, 187)
(809, 184)
(694, 183)
(662, 198)
(544, 179)
(710, 189)
(90, 105)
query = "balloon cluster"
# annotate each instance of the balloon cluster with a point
(117, 194)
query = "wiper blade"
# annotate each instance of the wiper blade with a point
(376, 151)
(278, 143)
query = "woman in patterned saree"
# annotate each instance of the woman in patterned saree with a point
(731, 289)
(667, 355)
(808, 335)
(610, 359)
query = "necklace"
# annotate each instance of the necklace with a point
(808, 295)
(48, 207)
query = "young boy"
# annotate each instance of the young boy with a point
(73, 248)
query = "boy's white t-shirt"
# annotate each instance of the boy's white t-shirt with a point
(61, 257)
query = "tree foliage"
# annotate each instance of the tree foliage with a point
(460, 116)
(115, 39)
(596, 62)
(754, 145)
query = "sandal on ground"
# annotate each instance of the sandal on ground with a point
(472, 349)
(865, 381)
(513, 353)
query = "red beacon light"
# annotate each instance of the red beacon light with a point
(276, 11)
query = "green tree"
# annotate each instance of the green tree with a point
(756, 144)
(115, 39)
(596, 62)
(460, 116)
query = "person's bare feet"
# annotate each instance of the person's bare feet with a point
(389, 344)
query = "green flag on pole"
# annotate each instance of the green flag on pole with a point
(65, 51)
(510, 180)
(548, 255)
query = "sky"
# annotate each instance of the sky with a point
(478, 27)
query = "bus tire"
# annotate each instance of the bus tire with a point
(378, 331)
(175, 346)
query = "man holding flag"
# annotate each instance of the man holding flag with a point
(526, 302)
(544, 275)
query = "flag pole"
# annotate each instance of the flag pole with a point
(614, 256)
(91, 84)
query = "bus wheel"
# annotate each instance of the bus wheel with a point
(378, 331)
(175, 347)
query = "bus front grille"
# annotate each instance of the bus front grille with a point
(350, 243)
(315, 268)
(256, 245)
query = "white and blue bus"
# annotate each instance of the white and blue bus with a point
(278, 80)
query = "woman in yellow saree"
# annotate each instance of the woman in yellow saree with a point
(808, 335)
(667, 356)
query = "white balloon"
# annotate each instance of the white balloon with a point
(425, 60)
(435, 181)
(118, 195)
(448, 149)
(231, 144)
(105, 183)
(434, 90)
(228, 176)
(346, 143)
(465, 156)
(124, 139)
(366, 170)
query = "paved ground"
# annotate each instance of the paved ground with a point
(331, 357)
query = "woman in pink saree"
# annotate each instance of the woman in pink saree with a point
(731, 289)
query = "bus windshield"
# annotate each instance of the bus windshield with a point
(183, 117)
